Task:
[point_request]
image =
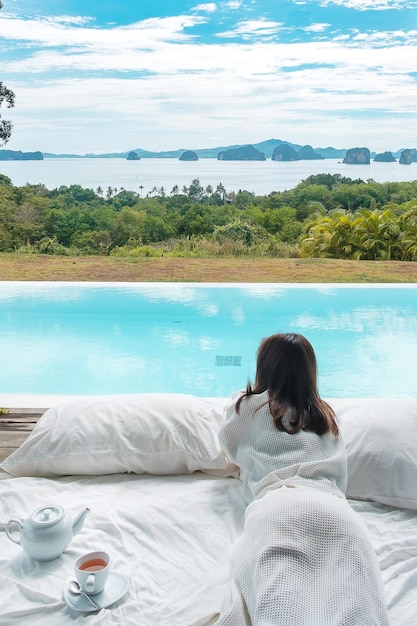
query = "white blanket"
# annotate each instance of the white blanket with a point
(173, 536)
(303, 558)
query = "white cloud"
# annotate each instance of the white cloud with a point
(374, 5)
(316, 28)
(69, 19)
(386, 39)
(210, 7)
(52, 32)
(253, 29)
(249, 86)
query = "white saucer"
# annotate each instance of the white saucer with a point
(116, 587)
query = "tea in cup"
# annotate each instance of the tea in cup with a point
(92, 570)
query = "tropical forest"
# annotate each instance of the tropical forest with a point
(324, 216)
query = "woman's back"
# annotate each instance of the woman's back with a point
(269, 458)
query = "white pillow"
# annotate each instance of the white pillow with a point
(138, 433)
(381, 440)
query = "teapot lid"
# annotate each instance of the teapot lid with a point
(47, 515)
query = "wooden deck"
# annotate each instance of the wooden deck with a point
(15, 426)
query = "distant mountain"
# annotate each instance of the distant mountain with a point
(267, 147)
(112, 155)
(331, 153)
(244, 153)
(18, 155)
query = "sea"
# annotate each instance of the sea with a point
(150, 176)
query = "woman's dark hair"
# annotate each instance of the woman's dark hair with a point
(286, 367)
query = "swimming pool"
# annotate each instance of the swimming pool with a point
(101, 338)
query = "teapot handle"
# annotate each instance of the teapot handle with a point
(13, 535)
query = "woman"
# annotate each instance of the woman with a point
(304, 558)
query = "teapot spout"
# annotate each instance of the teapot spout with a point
(79, 521)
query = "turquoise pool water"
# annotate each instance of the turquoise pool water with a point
(89, 338)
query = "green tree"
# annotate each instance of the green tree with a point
(274, 220)
(379, 235)
(408, 234)
(64, 224)
(5, 180)
(201, 219)
(153, 228)
(125, 199)
(92, 242)
(243, 199)
(240, 231)
(221, 193)
(7, 96)
(209, 192)
(330, 236)
(30, 224)
(7, 215)
(195, 190)
(127, 230)
(306, 196)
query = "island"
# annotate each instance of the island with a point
(18, 155)
(243, 153)
(133, 156)
(189, 155)
(307, 153)
(408, 156)
(385, 157)
(357, 156)
(285, 152)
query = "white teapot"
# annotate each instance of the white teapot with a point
(47, 531)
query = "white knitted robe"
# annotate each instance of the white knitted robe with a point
(305, 557)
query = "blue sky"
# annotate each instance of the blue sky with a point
(101, 76)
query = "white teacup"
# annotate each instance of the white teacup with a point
(92, 570)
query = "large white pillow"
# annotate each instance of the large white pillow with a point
(381, 440)
(138, 433)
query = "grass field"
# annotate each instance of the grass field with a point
(17, 267)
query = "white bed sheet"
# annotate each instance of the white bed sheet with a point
(173, 536)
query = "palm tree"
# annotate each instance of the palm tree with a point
(379, 234)
(316, 240)
(331, 236)
(221, 190)
(408, 235)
